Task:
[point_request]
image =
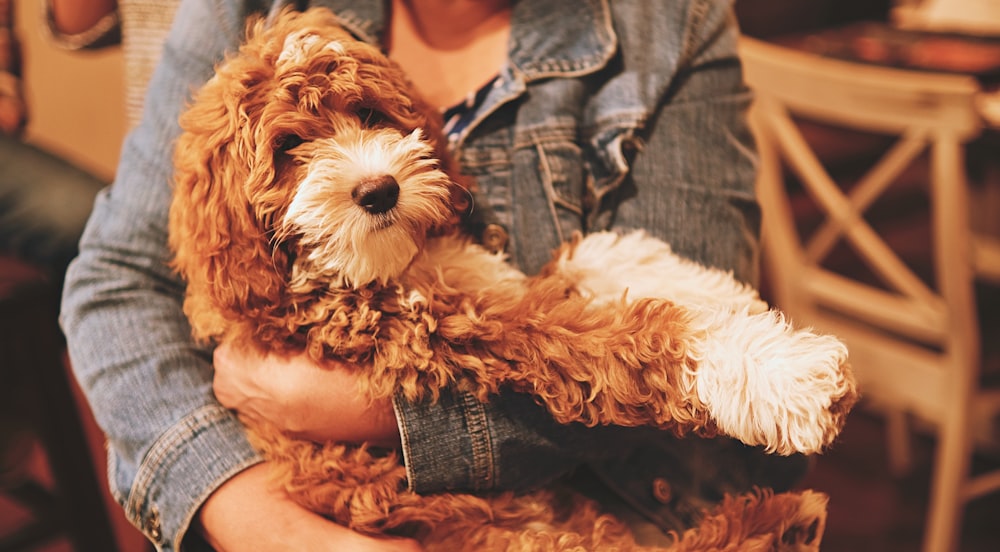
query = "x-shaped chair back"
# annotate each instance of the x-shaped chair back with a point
(913, 339)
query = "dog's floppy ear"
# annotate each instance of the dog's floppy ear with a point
(383, 86)
(220, 238)
(462, 185)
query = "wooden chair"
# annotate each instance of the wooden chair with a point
(913, 338)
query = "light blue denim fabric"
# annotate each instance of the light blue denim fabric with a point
(609, 114)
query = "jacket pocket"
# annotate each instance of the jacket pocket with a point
(560, 165)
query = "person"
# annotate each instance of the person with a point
(139, 27)
(570, 115)
(45, 200)
(44, 204)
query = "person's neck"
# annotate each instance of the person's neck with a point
(451, 24)
(449, 47)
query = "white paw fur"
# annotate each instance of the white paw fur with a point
(762, 381)
(767, 383)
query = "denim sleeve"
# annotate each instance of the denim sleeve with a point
(693, 171)
(689, 182)
(511, 442)
(169, 442)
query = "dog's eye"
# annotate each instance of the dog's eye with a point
(286, 142)
(371, 117)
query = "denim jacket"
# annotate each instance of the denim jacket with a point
(608, 114)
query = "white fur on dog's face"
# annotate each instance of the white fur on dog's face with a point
(339, 240)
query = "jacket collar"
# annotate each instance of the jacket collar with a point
(581, 41)
(577, 45)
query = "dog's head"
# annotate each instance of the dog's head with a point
(306, 162)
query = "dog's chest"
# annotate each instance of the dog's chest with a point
(450, 275)
(458, 264)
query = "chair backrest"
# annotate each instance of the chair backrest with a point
(962, 16)
(900, 325)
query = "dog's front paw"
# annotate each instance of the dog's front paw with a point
(768, 384)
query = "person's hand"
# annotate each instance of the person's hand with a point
(306, 400)
(248, 513)
(12, 111)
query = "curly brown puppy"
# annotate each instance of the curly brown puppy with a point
(316, 209)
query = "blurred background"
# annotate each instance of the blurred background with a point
(75, 98)
(879, 483)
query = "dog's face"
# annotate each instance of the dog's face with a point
(362, 203)
(306, 162)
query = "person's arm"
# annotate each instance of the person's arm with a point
(77, 16)
(177, 458)
(83, 24)
(455, 444)
(692, 175)
(247, 520)
(170, 444)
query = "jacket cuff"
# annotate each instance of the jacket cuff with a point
(447, 444)
(462, 444)
(182, 469)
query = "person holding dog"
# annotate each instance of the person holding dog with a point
(44, 199)
(571, 116)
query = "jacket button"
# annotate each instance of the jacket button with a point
(494, 238)
(661, 490)
(152, 525)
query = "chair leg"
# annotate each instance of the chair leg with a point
(899, 442)
(951, 470)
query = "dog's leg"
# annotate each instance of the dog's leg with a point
(760, 521)
(627, 365)
(607, 266)
(762, 381)
(554, 519)
(766, 383)
(651, 362)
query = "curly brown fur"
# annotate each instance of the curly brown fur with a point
(316, 209)
(365, 490)
(760, 522)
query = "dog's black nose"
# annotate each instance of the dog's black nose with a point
(376, 194)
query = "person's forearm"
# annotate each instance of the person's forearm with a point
(170, 442)
(292, 392)
(276, 523)
(76, 16)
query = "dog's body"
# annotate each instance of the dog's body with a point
(316, 209)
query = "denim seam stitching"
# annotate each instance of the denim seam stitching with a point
(482, 446)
